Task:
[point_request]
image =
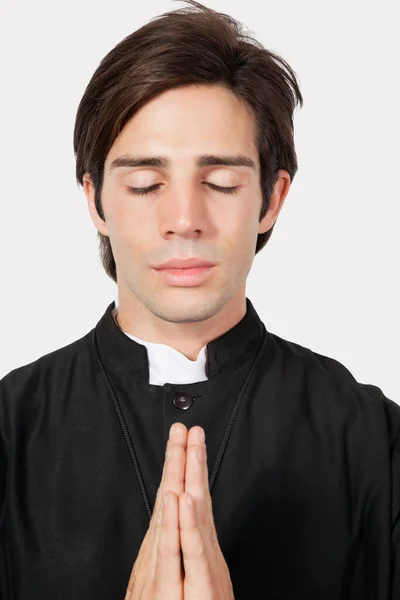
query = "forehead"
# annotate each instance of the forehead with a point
(189, 121)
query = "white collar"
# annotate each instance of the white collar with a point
(167, 365)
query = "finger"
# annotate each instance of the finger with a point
(174, 465)
(168, 571)
(194, 552)
(196, 471)
(172, 477)
(196, 483)
(173, 472)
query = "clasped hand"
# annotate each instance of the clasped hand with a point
(180, 557)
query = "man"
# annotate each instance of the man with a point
(184, 147)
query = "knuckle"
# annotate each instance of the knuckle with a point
(174, 449)
(198, 553)
(165, 548)
(193, 448)
(202, 553)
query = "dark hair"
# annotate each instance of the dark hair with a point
(191, 45)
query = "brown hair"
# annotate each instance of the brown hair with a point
(191, 45)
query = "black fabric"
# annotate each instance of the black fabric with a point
(304, 466)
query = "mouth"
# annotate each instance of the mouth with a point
(188, 277)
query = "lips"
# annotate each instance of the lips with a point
(176, 263)
(187, 277)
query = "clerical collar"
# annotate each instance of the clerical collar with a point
(224, 354)
(166, 364)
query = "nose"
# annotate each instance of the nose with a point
(183, 211)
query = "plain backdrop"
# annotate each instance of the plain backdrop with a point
(329, 277)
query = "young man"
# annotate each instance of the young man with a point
(184, 147)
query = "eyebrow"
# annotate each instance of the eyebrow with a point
(237, 160)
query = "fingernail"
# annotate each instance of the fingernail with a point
(202, 437)
(172, 430)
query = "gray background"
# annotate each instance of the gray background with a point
(329, 277)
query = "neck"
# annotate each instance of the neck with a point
(187, 337)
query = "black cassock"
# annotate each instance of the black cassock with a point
(304, 468)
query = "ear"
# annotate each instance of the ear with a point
(89, 192)
(280, 191)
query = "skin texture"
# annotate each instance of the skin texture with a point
(184, 216)
(180, 557)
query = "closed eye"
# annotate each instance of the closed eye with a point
(143, 191)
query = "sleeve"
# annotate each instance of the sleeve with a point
(392, 415)
(395, 471)
(3, 454)
(3, 478)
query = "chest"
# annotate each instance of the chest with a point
(84, 480)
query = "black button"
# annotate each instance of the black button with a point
(182, 400)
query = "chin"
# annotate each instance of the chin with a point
(186, 306)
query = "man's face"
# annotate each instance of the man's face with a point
(185, 215)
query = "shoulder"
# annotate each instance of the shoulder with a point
(329, 381)
(55, 363)
(26, 389)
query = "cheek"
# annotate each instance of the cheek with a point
(125, 222)
(242, 240)
(241, 229)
